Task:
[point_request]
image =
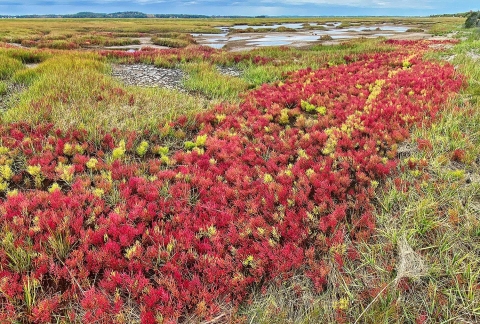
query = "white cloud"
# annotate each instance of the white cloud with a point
(358, 3)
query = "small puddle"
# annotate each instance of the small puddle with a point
(399, 29)
(269, 43)
(31, 65)
(216, 45)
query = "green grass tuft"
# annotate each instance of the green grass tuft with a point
(3, 88)
(206, 79)
(8, 66)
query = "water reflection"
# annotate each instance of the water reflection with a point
(399, 29)
(269, 43)
(216, 45)
(274, 26)
(237, 38)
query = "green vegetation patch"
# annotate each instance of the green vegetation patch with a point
(3, 88)
(8, 66)
(170, 42)
(205, 78)
(173, 39)
(75, 91)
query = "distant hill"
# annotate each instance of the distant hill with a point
(125, 14)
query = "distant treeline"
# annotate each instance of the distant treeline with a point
(460, 14)
(137, 14)
(125, 14)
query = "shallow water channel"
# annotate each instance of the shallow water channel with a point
(298, 34)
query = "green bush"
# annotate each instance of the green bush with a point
(472, 20)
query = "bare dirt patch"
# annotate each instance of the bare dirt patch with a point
(144, 75)
(149, 76)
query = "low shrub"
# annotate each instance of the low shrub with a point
(473, 19)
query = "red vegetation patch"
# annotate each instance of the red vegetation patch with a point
(271, 187)
(458, 155)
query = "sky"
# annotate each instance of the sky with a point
(244, 8)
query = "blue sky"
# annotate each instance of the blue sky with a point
(246, 8)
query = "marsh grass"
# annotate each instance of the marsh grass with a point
(170, 42)
(25, 77)
(206, 79)
(173, 39)
(26, 56)
(285, 60)
(439, 28)
(99, 39)
(8, 66)
(75, 90)
(3, 88)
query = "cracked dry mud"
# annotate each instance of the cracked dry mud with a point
(145, 75)
(149, 76)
